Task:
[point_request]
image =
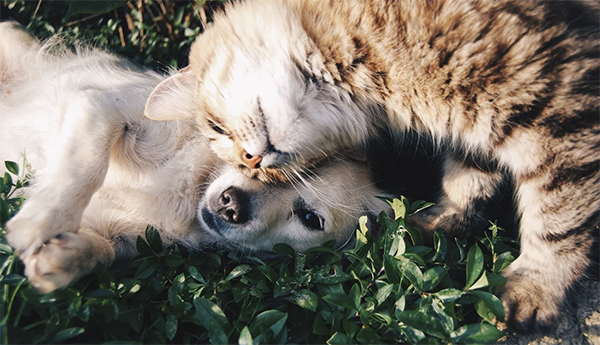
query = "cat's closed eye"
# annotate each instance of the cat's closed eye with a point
(217, 128)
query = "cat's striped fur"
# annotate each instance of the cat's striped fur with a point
(278, 85)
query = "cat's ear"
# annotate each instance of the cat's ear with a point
(173, 98)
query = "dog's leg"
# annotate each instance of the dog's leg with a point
(66, 258)
(77, 165)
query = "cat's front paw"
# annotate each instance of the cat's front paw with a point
(529, 304)
(61, 261)
(452, 221)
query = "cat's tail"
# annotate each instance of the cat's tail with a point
(15, 43)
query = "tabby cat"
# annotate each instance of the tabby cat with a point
(512, 86)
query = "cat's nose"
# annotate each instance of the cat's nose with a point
(233, 205)
(252, 162)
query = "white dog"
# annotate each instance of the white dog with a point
(102, 172)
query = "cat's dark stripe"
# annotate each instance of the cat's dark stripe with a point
(561, 125)
(589, 83)
(550, 237)
(589, 224)
(573, 175)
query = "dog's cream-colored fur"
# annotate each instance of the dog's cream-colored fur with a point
(102, 172)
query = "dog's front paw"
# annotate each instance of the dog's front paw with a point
(64, 259)
(35, 224)
(529, 304)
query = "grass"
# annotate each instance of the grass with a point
(390, 287)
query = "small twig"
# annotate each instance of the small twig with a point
(37, 8)
(121, 35)
(81, 20)
(162, 7)
(141, 19)
(129, 21)
(203, 19)
(153, 17)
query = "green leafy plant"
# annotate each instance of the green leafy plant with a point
(391, 286)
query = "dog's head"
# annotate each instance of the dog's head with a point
(318, 207)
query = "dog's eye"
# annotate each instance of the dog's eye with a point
(216, 127)
(311, 220)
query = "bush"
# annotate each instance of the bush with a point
(390, 287)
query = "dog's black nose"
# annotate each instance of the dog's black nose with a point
(233, 205)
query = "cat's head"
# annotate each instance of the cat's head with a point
(261, 95)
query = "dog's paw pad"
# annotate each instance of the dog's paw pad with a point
(57, 263)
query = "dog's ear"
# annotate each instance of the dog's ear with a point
(173, 98)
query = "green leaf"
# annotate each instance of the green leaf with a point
(341, 300)
(245, 337)
(196, 275)
(238, 271)
(488, 306)
(398, 207)
(268, 322)
(12, 167)
(481, 282)
(171, 326)
(476, 333)
(474, 265)
(502, 261)
(361, 232)
(415, 235)
(368, 335)
(355, 295)
(393, 238)
(284, 250)
(269, 272)
(382, 318)
(350, 327)
(432, 277)
(305, 299)
(67, 334)
(440, 244)
(414, 336)
(402, 267)
(339, 338)
(419, 205)
(430, 341)
(213, 319)
(449, 295)
(383, 292)
(8, 179)
(423, 322)
(142, 247)
(154, 240)
(147, 268)
(446, 320)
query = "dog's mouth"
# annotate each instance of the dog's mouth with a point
(210, 222)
